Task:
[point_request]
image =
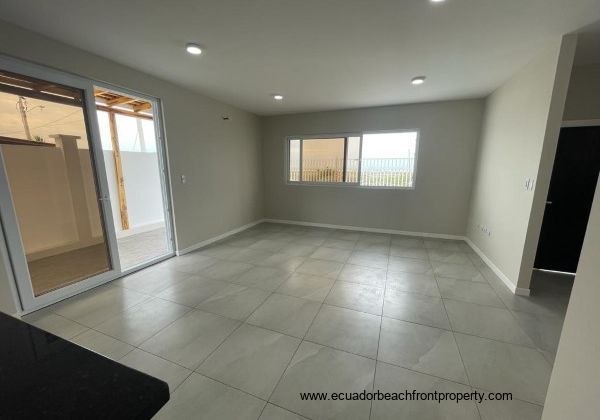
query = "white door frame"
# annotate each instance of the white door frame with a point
(163, 163)
(28, 302)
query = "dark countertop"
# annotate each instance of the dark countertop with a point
(44, 376)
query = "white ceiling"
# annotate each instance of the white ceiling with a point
(320, 54)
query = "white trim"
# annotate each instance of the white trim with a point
(509, 284)
(367, 229)
(217, 238)
(581, 123)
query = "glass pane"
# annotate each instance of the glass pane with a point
(352, 159)
(388, 159)
(294, 160)
(134, 178)
(44, 142)
(323, 160)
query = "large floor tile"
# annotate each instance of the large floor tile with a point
(55, 324)
(446, 256)
(306, 286)
(148, 363)
(235, 301)
(218, 251)
(286, 314)
(311, 240)
(346, 235)
(395, 379)
(345, 329)
(250, 255)
(265, 278)
(339, 243)
(152, 280)
(423, 284)
(331, 254)
(544, 330)
(363, 275)
(504, 367)
(368, 259)
(409, 265)
(315, 368)
(411, 307)
(202, 397)
(458, 271)
(320, 268)
(373, 248)
(282, 261)
(190, 339)
(97, 305)
(225, 270)
(408, 252)
(298, 249)
(485, 321)
(272, 412)
(272, 245)
(509, 410)
(355, 296)
(424, 349)
(189, 263)
(192, 291)
(407, 241)
(251, 359)
(102, 344)
(468, 291)
(142, 321)
(444, 244)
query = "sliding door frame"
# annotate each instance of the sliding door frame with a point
(12, 235)
(14, 256)
(163, 163)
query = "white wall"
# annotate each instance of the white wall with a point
(439, 204)
(142, 190)
(583, 99)
(221, 159)
(575, 381)
(520, 131)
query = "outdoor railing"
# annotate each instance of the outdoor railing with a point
(373, 172)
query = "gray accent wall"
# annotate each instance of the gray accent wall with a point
(448, 136)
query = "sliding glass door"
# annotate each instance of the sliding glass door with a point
(56, 202)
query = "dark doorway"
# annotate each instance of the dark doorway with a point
(572, 187)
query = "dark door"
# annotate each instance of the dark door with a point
(572, 187)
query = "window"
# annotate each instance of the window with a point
(384, 159)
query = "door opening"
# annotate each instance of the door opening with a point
(134, 167)
(572, 187)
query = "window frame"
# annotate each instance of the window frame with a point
(345, 136)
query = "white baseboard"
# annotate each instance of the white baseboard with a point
(217, 238)
(367, 229)
(509, 284)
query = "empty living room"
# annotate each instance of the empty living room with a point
(287, 210)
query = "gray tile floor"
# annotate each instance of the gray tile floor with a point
(239, 329)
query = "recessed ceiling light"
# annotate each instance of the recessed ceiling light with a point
(419, 80)
(278, 97)
(437, 1)
(193, 49)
